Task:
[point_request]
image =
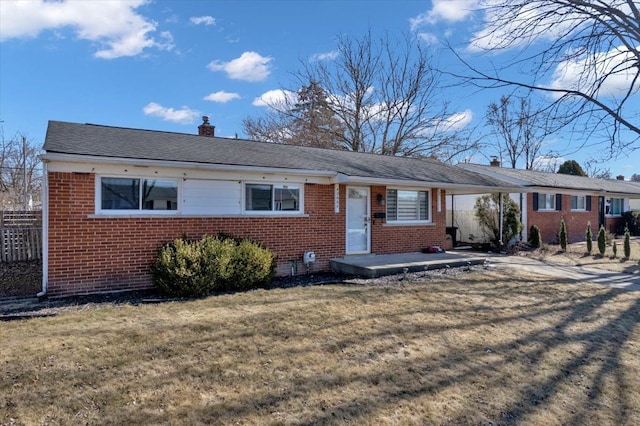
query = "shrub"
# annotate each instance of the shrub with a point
(535, 239)
(196, 268)
(486, 211)
(589, 237)
(562, 236)
(602, 240)
(632, 219)
(615, 249)
(252, 266)
(627, 243)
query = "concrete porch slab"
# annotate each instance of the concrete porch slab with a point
(377, 265)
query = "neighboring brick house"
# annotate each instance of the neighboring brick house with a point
(113, 196)
(547, 198)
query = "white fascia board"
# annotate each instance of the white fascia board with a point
(586, 191)
(449, 187)
(93, 164)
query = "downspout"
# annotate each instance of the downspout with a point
(45, 229)
(501, 220)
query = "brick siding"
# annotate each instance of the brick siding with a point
(92, 254)
(576, 221)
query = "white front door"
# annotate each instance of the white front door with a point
(358, 220)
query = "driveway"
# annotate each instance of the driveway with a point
(578, 273)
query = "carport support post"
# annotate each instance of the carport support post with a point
(501, 219)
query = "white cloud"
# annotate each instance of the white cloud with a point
(428, 38)
(221, 97)
(328, 56)
(458, 121)
(571, 74)
(250, 66)
(534, 21)
(547, 163)
(113, 25)
(275, 98)
(183, 115)
(444, 10)
(205, 20)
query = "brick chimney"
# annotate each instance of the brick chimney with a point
(494, 162)
(620, 177)
(206, 129)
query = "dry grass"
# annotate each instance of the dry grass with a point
(576, 254)
(472, 349)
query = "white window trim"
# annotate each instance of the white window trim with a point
(271, 213)
(584, 202)
(413, 222)
(545, 209)
(137, 212)
(622, 204)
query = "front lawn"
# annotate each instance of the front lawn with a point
(467, 349)
(576, 254)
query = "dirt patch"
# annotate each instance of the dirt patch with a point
(20, 278)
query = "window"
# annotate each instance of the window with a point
(615, 206)
(407, 206)
(546, 201)
(138, 194)
(578, 202)
(272, 198)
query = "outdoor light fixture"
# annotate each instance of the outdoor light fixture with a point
(381, 200)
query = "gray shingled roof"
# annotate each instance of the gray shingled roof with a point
(117, 142)
(537, 179)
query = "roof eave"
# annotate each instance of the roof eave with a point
(76, 158)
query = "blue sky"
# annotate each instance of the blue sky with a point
(161, 65)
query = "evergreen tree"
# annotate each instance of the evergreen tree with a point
(563, 235)
(627, 243)
(602, 241)
(571, 167)
(535, 239)
(314, 123)
(589, 238)
(615, 249)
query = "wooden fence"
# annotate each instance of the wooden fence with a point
(20, 235)
(18, 244)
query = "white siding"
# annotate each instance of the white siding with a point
(211, 197)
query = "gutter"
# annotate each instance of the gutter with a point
(45, 230)
(84, 159)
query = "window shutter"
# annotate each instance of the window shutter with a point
(588, 203)
(535, 201)
(558, 202)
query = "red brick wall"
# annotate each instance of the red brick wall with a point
(101, 254)
(576, 221)
(398, 239)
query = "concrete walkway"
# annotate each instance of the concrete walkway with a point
(578, 273)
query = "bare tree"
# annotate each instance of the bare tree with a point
(20, 173)
(592, 169)
(303, 118)
(583, 54)
(519, 132)
(385, 94)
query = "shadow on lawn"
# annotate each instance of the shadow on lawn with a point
(401, 382)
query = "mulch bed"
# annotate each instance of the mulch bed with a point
(19, 279)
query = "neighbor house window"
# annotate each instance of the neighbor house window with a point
(615, 206)
(138, 194)
(275, 198)
(546, 201)
(578, 202)
(407, 206)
